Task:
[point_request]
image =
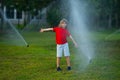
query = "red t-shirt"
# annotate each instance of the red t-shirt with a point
(61, 35)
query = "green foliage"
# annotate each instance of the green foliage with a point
(20, 26)
(104, 13)
(53, 16)
(27, 5)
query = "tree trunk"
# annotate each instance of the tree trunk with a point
(1, 23)
(116, 20)
(110, 21)
(18, 22)
(25, 18)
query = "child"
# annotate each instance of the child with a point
(61, 41)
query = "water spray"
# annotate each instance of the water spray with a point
(110, 35)
(90, 60)
(80, 30)
(12, 26)
(28, 25)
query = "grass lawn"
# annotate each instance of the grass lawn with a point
(38, 62)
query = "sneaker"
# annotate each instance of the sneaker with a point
(68, 68)
(59, 69)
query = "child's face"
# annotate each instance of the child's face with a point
(63, 24)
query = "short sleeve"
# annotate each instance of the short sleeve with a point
(54, 29)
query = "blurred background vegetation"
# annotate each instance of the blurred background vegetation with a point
(101, 14)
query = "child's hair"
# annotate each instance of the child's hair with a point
(63, 20)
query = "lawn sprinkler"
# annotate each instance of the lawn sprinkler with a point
(90, 60)
(27, 45)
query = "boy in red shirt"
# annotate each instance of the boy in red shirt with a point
(61, 40)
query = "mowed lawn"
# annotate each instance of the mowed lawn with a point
(38, 61)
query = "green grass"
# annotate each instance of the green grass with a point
(38, 62)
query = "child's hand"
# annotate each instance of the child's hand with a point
(41, 30)
(75, 44)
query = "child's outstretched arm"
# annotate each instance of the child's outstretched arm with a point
(73, 41)
(47, 29)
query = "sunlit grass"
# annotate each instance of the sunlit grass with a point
(38, 62)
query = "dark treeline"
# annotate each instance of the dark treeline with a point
(106, 13)
(101, 13)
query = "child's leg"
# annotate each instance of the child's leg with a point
(59, 54)
(58, 61)
(58, 64)
(68, 61)
(67, 53)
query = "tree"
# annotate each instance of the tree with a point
(106, 12)
(54, 14)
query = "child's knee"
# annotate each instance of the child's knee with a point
(58, 57)
(67, 57)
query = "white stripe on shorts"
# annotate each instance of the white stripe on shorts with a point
(61, 48)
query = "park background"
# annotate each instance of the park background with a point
(20, 22)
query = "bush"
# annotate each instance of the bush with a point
(20, 26)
